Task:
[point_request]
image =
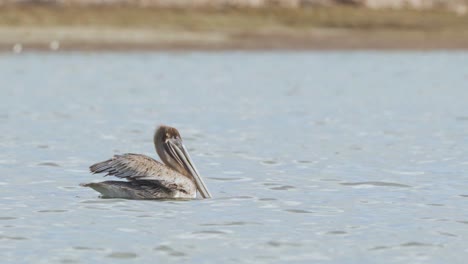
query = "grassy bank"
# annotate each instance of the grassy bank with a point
(334, 27)
(231, 19)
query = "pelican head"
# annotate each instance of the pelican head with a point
(171, 150)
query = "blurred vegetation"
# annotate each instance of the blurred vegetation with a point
(231, 19)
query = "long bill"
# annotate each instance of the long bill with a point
(183, 157)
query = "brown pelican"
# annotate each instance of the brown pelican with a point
(150, 179)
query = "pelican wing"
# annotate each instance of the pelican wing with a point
(134, 167)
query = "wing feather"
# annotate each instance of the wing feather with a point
(129, 166)
(137, 167)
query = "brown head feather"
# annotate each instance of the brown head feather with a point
(162, 134)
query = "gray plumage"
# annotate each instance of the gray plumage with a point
(148, 178)
(130, 190)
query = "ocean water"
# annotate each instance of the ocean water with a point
(335, 157)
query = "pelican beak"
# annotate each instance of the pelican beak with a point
(181, 155)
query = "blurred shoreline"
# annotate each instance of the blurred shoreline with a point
(126, 28)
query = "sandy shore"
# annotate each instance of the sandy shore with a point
(112, 39)
(45, 28)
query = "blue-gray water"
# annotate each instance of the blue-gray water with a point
(329, 157)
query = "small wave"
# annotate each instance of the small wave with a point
(376, 183)
(298, 211)
(122, 255)
(50, 164)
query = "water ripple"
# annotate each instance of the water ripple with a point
(88, 248)
(229, 179)
(376, 183)
(298, 211)
(103, 201)
(215, 232)
(170, 251)
(379, 248)
(269, 162)
(448, 234)
(234, 223)
(49, 164)
(52, 211)
(418, 244)
(234, 198)
(67, 261)
(407, 244)
(267, 199)
(12, 237)
(122, 255)
(274, 243)
(405, 172)
(283, 188)
(7, 218)
(337, 232)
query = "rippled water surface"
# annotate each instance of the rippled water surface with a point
(326, 157)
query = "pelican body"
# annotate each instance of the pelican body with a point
(151, 179)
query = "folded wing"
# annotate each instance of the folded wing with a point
(136, 167)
